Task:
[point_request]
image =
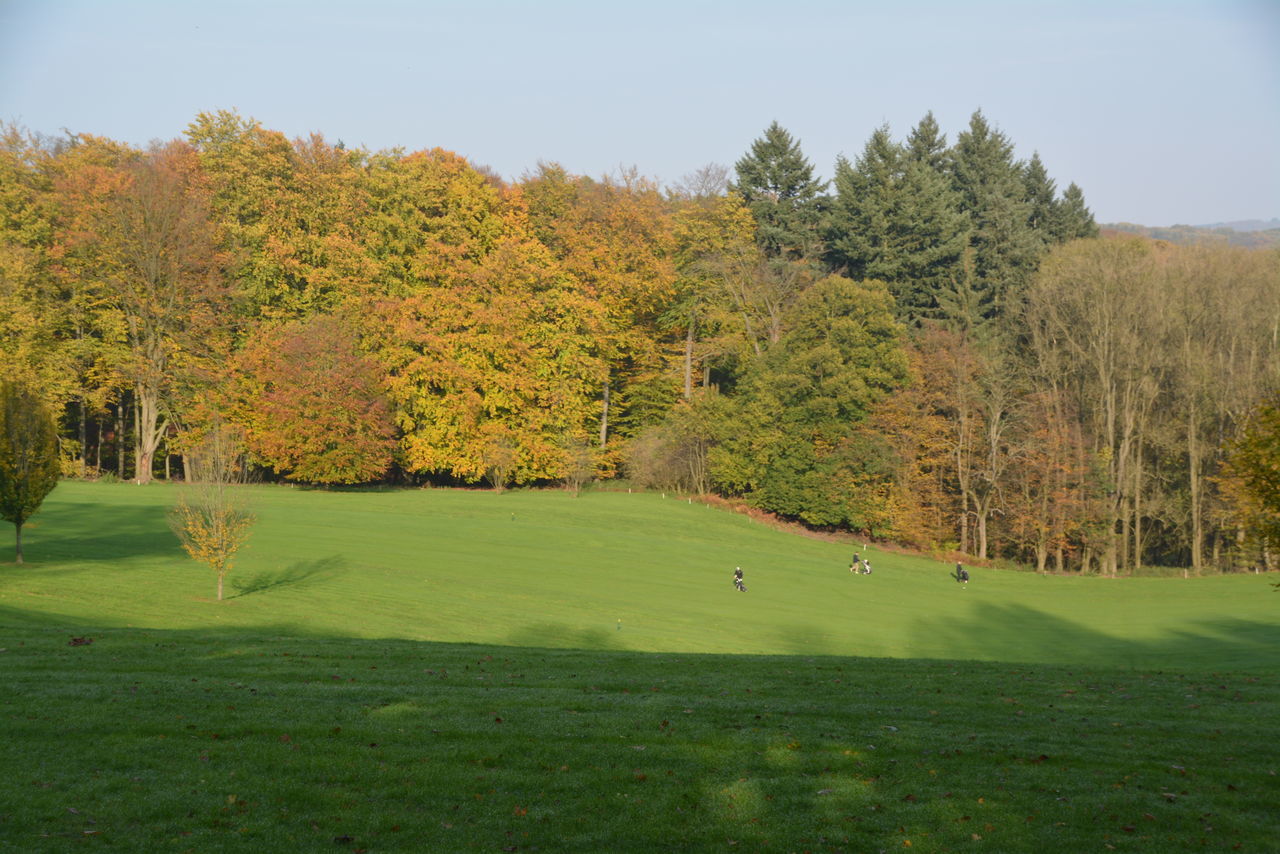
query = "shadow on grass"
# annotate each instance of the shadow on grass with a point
(1019, 634)
(559, 636)
(85, 533)
(304, 573)
(750, 753)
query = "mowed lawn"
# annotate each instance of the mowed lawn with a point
(451, 670)
(605, 570)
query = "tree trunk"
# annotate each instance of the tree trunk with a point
(151, 429)
(18, 536)
(604, 416)
(120, 438)
(1197, 517)
(84, 436)
(688, 363)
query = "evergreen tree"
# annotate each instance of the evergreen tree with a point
(927, 144)
(777, 183)
(897, 219)
(1041, 193)
(858, 227)
(841, 355)
(1071, 219)
(992, 193)
(932, 234)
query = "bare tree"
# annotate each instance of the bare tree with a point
(580, 464)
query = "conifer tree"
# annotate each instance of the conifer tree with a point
(1041, 196)
(896, 218)
(992, 193)
(776, 180)
(858, 231)
(927, 144)
(1071, 218)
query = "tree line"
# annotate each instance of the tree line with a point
(935, 347)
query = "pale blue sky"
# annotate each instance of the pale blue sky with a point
(1164, 111)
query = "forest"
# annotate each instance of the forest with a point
(936, 348)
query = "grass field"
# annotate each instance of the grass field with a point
(456, 671)
(545, 569)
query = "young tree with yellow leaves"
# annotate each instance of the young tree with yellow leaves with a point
(212, 518)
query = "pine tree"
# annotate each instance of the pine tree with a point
(927, 144)
(1071, 219)
(992, 193)
(932, 235)
(897, 219)
(858, 228)
(777, 183)
(1041, 195)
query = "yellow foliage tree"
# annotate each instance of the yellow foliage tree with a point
(212, 518)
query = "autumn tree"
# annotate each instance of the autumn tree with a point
(1255, 461)
(312, 404)
(211, 517)
(903, 484)
(613, 238)
(155, 250)
(726, 315)
(29, 340)
(486, 342)
(29, 465)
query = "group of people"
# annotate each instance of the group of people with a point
(858, 565)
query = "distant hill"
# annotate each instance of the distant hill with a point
(1246, 225)
(1250, 233)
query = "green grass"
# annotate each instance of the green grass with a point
(458, 671)
(545, 569)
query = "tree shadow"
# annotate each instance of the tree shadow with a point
(1019, 634)
(95, 533)
(560, 636)
(301, 574)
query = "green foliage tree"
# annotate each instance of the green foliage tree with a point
(29, 464)
(841, 355)
(1041, 197)
(927, 145)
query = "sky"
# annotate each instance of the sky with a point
(1162, 111)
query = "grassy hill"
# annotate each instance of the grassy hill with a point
(444, 671)
(602, 571)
